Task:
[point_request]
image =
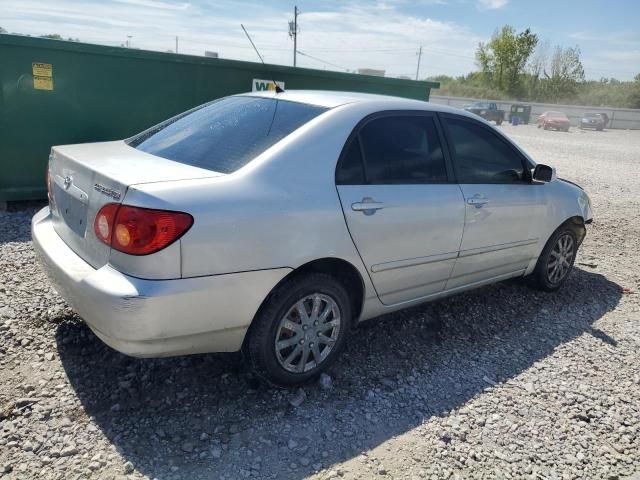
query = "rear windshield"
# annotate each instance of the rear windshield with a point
(226, 134)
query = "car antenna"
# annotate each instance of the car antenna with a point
(278, 89)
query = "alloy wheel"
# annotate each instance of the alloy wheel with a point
(307, 333)
(561, 258)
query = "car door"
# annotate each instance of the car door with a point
(503, 207)
(403, 210)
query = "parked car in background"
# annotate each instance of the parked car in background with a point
(487, 110)
(273, 223)
(594, 120)
(554, 120)
(522, 111)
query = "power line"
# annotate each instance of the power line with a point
(321, 60)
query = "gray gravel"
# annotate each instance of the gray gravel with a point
(502, 382)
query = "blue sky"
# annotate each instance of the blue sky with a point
(341, 35)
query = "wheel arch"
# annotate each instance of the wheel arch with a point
(342, 270)
(578, 224)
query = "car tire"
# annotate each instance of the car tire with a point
(546, 276)
(544, 126)
(280, 321)
(498, 122)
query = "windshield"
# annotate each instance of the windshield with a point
(226, 134)
(592, 115)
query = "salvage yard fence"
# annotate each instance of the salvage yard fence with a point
(619, 118)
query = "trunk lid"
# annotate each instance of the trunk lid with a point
(86, 177)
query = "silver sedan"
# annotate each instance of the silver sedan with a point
(273, 223)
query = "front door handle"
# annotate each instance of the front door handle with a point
(477, 201)
(367, 205)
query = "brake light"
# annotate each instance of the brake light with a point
(103, 225)
(139, 231)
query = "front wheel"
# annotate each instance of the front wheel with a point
(556, 260)
(300, 330)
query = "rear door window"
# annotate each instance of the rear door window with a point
(397, 150)
(226, 134)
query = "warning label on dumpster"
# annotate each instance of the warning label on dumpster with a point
(42, 69)
(42, 76)
(43, 83)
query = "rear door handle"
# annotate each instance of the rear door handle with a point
(477, 201)
(368, 206)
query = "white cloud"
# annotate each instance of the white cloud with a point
(492, 4)
(156, 4)
(353, 34)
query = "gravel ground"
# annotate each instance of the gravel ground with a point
(502, 382)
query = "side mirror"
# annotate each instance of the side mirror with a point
(544, 173)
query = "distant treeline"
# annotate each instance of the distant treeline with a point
(607, 92)
(514, 66)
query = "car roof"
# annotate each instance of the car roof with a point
(331, 99)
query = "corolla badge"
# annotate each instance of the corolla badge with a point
(107, 191)
(68, 180)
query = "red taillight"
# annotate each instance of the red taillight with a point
(103, 225)
(139, 231)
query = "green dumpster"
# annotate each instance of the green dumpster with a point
(57, 92)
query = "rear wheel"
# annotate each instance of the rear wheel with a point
(300, 330)
(557, 259)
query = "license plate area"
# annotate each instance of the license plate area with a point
(72, 210)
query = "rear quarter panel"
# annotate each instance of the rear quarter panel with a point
(281, 210)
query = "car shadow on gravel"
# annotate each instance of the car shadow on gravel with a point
(204, 417)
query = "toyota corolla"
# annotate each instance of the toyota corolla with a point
(273, 223)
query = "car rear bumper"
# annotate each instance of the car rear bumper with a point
(591, 125)
(152, 318)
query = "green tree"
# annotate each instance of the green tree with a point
(634, 98)
(502, 60)
(564, 75)
(2, 30)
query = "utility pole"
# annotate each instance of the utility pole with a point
(293, 32)
(176, 44)
(129, 40)
(419, 58)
